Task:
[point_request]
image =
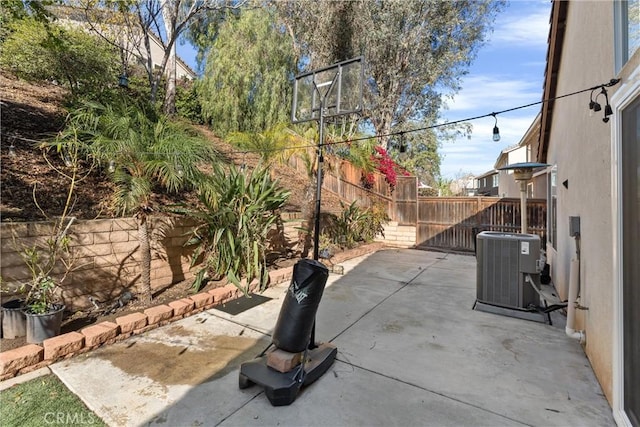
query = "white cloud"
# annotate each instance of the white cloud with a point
(493, 93)
(530, 29)
(479, 153)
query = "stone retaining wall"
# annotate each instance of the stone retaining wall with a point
(398, 235)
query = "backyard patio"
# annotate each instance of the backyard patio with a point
(411, 351)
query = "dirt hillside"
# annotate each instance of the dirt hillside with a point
(31, 113)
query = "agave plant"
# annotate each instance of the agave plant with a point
(356, 224)
(239, 210)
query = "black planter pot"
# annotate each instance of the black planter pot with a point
(43, 326)
(14, 323)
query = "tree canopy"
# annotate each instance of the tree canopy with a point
(415, 50)
(247, 82)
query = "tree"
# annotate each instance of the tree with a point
(145, 150)
(131, 24)
(414, 49)
(247, 81)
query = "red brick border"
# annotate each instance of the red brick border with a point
(31, 356)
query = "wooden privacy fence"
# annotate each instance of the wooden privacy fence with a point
(450, 223)
(453, 222)
(343, 179)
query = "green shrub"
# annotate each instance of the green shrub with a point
(187, 102)
(356, 225)
(38, 52)
(239, 210)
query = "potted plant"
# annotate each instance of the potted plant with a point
(49, 260)
(42, 302)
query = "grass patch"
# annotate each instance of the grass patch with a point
(44, 401)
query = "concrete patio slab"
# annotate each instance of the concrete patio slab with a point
(411, 351)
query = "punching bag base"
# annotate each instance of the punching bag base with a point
(282, 388)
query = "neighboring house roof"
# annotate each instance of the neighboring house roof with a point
(486, 174)
(531, 136)
(190, 70)
(504, 156)
(554, 53)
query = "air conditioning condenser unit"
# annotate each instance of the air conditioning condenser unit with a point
(504, 260)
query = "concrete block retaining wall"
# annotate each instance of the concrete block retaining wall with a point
(398, 235)
(106, 255)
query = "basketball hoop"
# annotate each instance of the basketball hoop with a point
(325, 93)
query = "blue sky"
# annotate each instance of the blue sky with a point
(508, 72)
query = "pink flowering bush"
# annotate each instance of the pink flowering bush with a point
(387, 167)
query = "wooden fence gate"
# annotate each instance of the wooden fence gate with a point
(453, 222)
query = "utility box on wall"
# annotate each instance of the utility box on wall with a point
(503, 259)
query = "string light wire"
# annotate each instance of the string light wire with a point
(350, 141)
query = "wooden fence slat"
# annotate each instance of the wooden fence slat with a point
(453, 222)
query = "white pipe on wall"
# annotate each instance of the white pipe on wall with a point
(574, 277)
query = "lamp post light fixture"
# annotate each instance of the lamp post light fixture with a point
(522, 173)
(123, 80)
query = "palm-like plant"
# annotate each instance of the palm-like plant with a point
(273, 144)
(144, 150)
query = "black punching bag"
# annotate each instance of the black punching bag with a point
(298, 312)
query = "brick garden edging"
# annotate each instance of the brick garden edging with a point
(31, 357)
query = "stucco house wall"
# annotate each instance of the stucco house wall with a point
(74, 17)
(580, 146)
(507, 185)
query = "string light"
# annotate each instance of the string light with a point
(112, 166)
(594, 106)
(496, 131)
(12, 147)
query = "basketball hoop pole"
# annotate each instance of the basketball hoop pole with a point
(316, 227)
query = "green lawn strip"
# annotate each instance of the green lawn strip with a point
(44, 401)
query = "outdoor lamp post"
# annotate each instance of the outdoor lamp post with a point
(522, 173)
(123, 80)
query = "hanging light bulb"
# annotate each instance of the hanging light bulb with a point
(12, 147)
(179, 170)
(112, 166)
(402, 149)
(607, 108)
(496, 131)
(67, 160)
(607, 112)
(593, 105)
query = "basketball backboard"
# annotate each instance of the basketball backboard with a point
(340, 85)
